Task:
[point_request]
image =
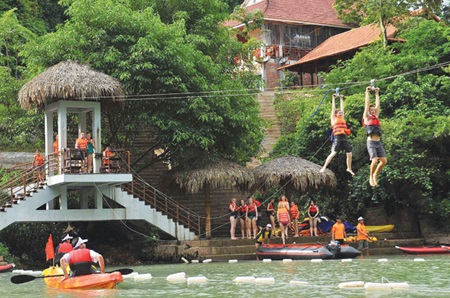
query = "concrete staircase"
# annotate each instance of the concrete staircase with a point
(272, 132)
(36, 206)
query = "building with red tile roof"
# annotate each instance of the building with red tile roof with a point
(292, 28)
(338, 47)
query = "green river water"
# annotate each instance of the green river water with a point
(427, 278)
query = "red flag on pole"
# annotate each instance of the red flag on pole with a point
(49, 250)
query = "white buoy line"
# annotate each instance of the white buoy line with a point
(375, 286)
(197, 261)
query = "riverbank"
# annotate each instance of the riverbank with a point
(224, 249)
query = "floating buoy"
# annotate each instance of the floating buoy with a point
(419, 260)
(195, 261)
(207, 261)
(382, 260)
(36, 273)
(287, 260)
(267, 260)
(17, 271)
(197, 280)
(143, 277)
(391, 286)
(351, 284)
(265, 280)
(232, 261)
(244, 279)
(177, 277)
(299, 282)
(346, 260)
(184, 260)
(316, 260)
(130, 276)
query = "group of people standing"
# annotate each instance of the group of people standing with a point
(86, 150)
(249, 214)
(371, 123)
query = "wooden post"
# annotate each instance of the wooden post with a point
(207, 190)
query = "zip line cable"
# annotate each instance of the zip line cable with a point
(249, 92)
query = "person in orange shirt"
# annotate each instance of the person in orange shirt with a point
(362, 236)
(56, 155)
(55, 145)
(295, 216)
(338, 231)
(82, 145)
(283, 221)
(38, 162)
(106, 157)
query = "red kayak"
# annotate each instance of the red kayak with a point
(6, 268)
(422, 250)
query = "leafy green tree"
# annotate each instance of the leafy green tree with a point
(29, 13)
(13, 36)
(18, 129)
(363, 12)
(180, 81)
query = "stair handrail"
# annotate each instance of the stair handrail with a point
(163, 203)
(17, 185)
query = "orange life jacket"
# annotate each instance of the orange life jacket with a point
(82, 143)
(283, 216)
(65, 248)
(294, 212)
(38, 160)
(340, 127)
(81, 255)
(106, 157)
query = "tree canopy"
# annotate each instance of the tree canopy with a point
(174, 61)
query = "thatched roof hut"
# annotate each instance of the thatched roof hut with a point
(68, 80)
(219, 174)
(296, 172)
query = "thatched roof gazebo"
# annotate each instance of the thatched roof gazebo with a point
(219, 174)
(70, 87)
(296, 172)
(68, 80)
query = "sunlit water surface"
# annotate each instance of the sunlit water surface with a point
(428, 278)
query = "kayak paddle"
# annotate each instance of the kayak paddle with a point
(20, 279)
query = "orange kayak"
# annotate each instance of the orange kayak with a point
(83, 282)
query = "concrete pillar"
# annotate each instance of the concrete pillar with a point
(48, 132)
(63, 198)
(62, 126)
(97, 136)
(98, 199)
(84, 198)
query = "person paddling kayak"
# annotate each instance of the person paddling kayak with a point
(80, 260)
